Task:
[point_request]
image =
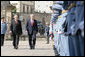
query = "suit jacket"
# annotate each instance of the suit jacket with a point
(32, 29)
(16, 28)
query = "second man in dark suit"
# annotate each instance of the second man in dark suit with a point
(32, 29)
(16, 30)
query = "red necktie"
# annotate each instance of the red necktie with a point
(31, 22)
(16, 21)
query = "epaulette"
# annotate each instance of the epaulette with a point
(64, 11)
(59, 16)
(71, 5)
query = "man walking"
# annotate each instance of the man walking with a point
(32, 29)
(16, 30)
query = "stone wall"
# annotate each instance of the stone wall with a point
(38, 16)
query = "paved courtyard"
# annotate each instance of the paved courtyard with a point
(41, 49)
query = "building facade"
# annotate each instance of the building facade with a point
(23, 6)
(6, 11)
(43, 6)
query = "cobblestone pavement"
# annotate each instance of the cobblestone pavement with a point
(41, 49)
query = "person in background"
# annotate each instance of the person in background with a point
(47, 31)
(3, 30)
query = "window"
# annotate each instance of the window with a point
(27, 9)
(23, 8)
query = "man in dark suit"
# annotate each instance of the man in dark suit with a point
(16, 30)
(32, 29)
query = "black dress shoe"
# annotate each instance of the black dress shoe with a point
(15, 47)
(33, 47)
